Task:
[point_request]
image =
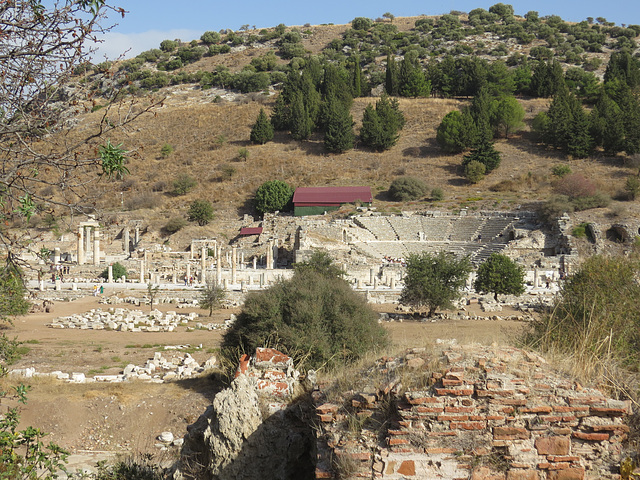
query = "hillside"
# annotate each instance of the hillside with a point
(207, 126)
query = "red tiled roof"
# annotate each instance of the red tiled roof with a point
(332, 195)
(250, 230)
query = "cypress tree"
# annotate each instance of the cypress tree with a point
(280, 118)
(356, 77)
(262, 130)
(412, 81)
(338, 131)
(300, 124)
(391, 78)
(371, 130)
(485, 153)
(380, 127)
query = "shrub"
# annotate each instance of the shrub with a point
(183, 184)
(166, 150)
(437, 194)
(143, 200)
(600, 298)
(243, 154)
(118, 270)
(271, 196)
(315, 316)
(201, 212)
(168, 45)
(407, 188)
(361, 23)
(226, 171)
(209, 38)
(575, 185)
(632, 187)
(561, 170)
(599, 200)
(174, 225)
(474, 171)
(211, 296)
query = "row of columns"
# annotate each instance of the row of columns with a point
(84, 243)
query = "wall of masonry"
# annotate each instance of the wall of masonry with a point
(487, 414)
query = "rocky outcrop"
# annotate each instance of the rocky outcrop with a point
(255, 429)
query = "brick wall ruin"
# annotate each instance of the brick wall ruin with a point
(487, 414)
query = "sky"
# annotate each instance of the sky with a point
(151, 21)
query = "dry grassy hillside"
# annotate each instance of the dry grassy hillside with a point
(208, 128)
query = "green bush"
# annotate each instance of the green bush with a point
(166, 150)
(119, 271)
(561, 170)
(183, 184)
(404, 189)
(209, 38)
(174, 224)
(201, 212)
(315, 316)
(474, 171)
(361, 23)
(168, 45)
(632, 187)
(274, 195)
(437, 194)
(599, 299)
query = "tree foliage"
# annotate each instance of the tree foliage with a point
(484, 153)
(403, 189)
(315, 316)
(434, 280)
(500, 275)
(211, 296)
(117, 269)
(381, 126)
(201, 212)
(262, 130)
(338, 127)
(273, 195)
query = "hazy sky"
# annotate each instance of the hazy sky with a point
(151, 21)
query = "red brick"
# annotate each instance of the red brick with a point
(541, 409)
(611, 412)
(495, 417)
(592, 437)
(500, 393)
(559, 466)
(422, 400)
(271, 355)
(485, 473)
(451, 383)
(563, 458)
(553, 445)
(568, 474)
(613, 427)
(585, 400)
(522, 475)
(326, 417)
(243, 364)
(327, 408)
(429, 409)
(320, 473)
(510, 433)
(459, 409)
(408, 468)
(515, 402)
(453, 391)
(398, 441)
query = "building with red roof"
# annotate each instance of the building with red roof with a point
(318, 200)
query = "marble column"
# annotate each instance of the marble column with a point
(219, 265)
(80, 245)
(96, 247)
(110, 273)
(234, 264)
(126, 241)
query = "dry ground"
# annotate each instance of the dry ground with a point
(94, 418)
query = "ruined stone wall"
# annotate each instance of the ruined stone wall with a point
(486, 413)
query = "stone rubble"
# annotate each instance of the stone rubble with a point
(156, 370)
(124, 320)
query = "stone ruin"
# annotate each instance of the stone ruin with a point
(158, 369)
(457, 413)
(124, 320)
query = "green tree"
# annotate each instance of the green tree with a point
(404, 189)
(262, 130)
(411, 79)
(380, 127)
(211, 296)
(281, 116)
(166, 150)
(12, 293)
(338, 128)
(300, 121)
(361, 23)
(632, 187)
(451, 133)
(201, 212)
(271, 196)
(315, 316)
(391, 76)
(474, 171)
(485, 153)
(434, 280)
(117, 269)
(507, 115)
(501, 276)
